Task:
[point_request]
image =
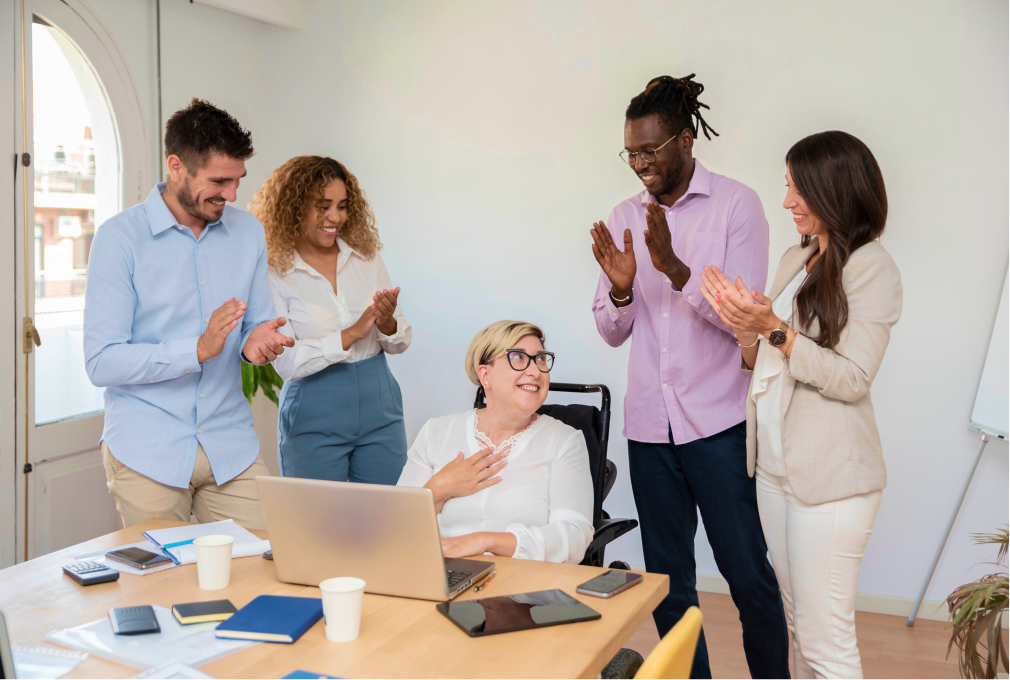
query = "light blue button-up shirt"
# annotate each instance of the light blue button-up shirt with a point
(151, 290)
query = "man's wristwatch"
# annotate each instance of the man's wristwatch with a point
(778, 336)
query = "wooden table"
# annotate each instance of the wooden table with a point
(399, 637)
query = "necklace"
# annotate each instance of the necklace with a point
(506, 445)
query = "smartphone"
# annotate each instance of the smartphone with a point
(138, 557)
(609, 584)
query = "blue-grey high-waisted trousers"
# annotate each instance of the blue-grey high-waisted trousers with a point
(344, 423)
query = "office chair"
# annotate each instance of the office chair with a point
(674, 655)
(595, 426)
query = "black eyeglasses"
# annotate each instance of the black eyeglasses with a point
(519, 359)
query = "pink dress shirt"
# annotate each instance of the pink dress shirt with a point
(684, 370)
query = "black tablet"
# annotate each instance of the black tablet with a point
(491, 615)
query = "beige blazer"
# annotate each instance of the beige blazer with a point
(829, 434)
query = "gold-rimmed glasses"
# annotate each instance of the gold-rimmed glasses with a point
(648, 155)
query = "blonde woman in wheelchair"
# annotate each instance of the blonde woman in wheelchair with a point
(506, 480)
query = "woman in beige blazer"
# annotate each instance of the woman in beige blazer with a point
(814, 348)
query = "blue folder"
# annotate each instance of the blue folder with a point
(272, 618)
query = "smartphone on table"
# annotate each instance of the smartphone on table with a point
(138, 557)
(609, 583)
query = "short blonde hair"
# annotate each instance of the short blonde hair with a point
(496, 338)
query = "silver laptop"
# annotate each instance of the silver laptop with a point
(386, 535)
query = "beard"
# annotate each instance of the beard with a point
(185, 197)
(671, 177)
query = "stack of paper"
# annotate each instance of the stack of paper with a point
(192, 645)
(177, 542)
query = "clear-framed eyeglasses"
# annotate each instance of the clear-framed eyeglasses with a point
(647, 155)
(519, 360)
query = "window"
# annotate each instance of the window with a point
(77, 187)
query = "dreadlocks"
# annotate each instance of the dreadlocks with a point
(675, 100)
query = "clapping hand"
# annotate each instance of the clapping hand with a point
(748, 313)
(620, 267)
(384, 304)
(266, 343)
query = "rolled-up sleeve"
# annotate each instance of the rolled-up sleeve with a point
(569, 529)
(110, 303)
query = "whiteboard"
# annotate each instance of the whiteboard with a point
(990, 413)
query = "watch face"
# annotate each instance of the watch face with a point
(777, 337)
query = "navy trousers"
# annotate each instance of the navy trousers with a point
(344, 423)
(671, 483)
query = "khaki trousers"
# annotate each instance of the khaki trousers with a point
(140, 498)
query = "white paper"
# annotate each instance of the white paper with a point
(193, 645)
(44, 662)
(122, 566)
(167, 537)
(172, 669)
(186, 554)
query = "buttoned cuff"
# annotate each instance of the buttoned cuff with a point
(401, 329)
(181, 353)
(619, 315)
(333, 349)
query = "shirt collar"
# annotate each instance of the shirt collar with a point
(701, 184)
(160, 217)
(345, 253)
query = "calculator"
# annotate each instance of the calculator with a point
(90, 573)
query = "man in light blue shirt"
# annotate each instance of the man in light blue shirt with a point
(169, 280)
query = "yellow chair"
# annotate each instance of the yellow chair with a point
(673, 656)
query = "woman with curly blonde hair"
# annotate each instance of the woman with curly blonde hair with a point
(341, 414)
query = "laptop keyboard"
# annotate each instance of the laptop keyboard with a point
(454, 578)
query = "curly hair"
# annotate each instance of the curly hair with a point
(283, 203)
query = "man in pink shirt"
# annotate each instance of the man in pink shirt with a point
(684, 413)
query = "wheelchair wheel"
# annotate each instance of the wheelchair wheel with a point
(623, 666)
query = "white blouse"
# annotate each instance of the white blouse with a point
(545, 498)
(766, 387)
(316, 315)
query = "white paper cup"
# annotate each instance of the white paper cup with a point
(213, 561)
(342, 607)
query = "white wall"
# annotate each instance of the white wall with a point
(476, 128)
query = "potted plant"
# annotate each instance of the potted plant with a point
(255, 377)
(976, 611)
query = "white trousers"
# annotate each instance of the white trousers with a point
(816, 551)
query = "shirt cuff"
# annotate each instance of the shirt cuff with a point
(522, 551)
(333, 349)
(401, 328)
(616, 313)
(182, 353)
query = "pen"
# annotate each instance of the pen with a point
(483, 584)
(176, 545)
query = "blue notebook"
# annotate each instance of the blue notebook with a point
(272, 618)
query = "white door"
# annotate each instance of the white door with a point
(81, 124)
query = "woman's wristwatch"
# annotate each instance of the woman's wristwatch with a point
(778, 336)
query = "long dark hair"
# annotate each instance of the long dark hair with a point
(838, 177)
